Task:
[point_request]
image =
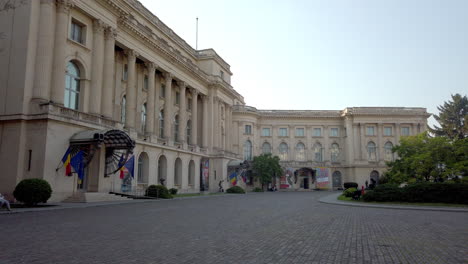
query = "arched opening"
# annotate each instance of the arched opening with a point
(143, 168)
(318, 152)
(178, 172)
(248, 150)
(371, 151)
(388, 151)
(300, 152)
(336, 179)
(283, 151)
(72, 86)
(266, 148)
(374, 177)
(335, 152)
(191, 173)
(162, 169)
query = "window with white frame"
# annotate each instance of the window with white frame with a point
(266, 132)
(266, 148)
(317, 132)
(283, 132)
(248, 130)
(248, 150)
(72, 86)
(371, 151)
(388, 151)
(318, 152)
(300, 132)
(283, 151)
(370, 131)
(300, 152)
(335, 152)
(77, 32)
(388, 131)
(405, 131)
(334, 132)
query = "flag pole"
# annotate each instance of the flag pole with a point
(196, 41)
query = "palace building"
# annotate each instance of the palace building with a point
(110, 84)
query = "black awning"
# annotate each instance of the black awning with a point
(112, 138)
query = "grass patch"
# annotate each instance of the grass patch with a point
(349, 199)
(195, 194)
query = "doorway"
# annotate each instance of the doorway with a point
(306, 183)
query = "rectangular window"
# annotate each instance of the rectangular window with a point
(283, 132)
(299, 132)
(405, 131)
(177, 98)
(189, 104)
(145, 82)
(333, 132)
(125, 72)
(317, 132)
(370, 131)
(76, 32)
(248, 129)
(221, 74)
(266, 132)
(387, 131)
(163, 91)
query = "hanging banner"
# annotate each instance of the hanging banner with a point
(286, 179)
(322, 177)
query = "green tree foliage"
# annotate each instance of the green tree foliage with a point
(425, 158)
(453, 118)
(265, 167)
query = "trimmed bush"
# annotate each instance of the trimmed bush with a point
(32, 191)
(349, 192)
(235, 189)
(173, 191)
(430, 192)
(387, 193)
(369, 196)
(158, 191)
(257, 189)
(348, 185)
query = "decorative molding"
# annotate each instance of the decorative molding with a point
(110, 32)
(64, 6)
(98, 26)
(151, 66)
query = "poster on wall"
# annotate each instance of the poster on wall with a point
(286, 179)
(322, 177)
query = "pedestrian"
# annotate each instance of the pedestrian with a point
(362, 190)
(4, 201)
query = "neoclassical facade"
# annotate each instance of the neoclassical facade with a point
(109, 79)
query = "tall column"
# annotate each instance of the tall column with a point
(349, 140)
(362, 147)
(150, 99)
(109, 67)
(97, 67)
(216, 125)
(205, 133)
(327, 145)
(223, 135)
(130, 107)
(380, 143)
(45, 50)
(168, 106)
(58, 70)
(210, 120)
(398, 133)
(157, 104)
(194, 117)
(182, 112)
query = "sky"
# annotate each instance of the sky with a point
(332, 54)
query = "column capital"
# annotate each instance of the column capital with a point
(48, 2)
(98, 26)
(110, 32)
(194, 91)
(151, 66)
(167, 76)
(131, 54)
(64, 5)
(181, 84)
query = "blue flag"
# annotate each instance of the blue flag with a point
(78, 164)
(130, 165)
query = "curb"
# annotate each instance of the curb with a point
(333, 199)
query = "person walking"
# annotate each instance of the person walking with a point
(4, 201)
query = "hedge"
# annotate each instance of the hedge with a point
(348, 185)
(158, 191)
(235, 189)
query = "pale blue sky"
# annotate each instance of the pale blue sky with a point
(331, 54)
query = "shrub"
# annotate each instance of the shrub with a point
(430, 192)
(369, 196)
(173, 191)
(348, 185)
(235, 189)
(349, 192)
(387, 193)
(384, 179)
(32, 191)
(158, 191)
(257, 189)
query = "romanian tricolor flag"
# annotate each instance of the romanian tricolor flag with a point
(233, 179)
(66, 160)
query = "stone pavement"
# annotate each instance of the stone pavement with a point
(292, 227)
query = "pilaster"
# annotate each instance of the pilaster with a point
(97, 67)
(168, 115)
(194, 117)
(150, 111)
(130, 107)
(108, 72)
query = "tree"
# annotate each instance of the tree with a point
(453, 118)
(265, 167)
(425, 158)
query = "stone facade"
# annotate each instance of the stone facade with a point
(68, 66)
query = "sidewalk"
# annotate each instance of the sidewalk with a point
(333, 199)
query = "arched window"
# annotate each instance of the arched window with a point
(266, 148)
(176, 128)
(388, 151)
(178, 172)
(191, 173)
(335, 152)
(143, 118)
(143, 168)
(318, 152)
(161, 124)
(122, 109)
(162, 169)
(189, 132)
(283, 151)
(300, 152)
(248, 150)
(371, 151)
(72, 86)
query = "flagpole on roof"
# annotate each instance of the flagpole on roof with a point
(196, 36)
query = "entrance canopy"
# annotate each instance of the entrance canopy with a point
(112, 138)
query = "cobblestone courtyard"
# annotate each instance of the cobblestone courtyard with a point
(253, 228)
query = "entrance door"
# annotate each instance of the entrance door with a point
(82, 183)
(306, 183)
